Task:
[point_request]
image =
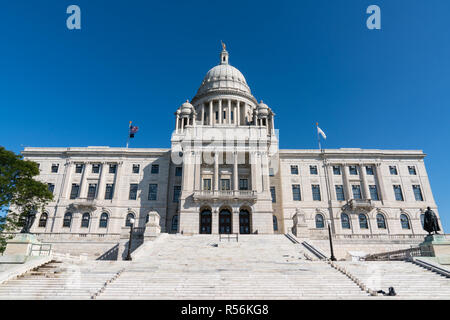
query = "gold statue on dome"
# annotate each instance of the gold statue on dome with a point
(223, 45)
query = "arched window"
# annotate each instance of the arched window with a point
(422, 219)
(345, 221)
(381, 221)
(128, 220)
(43, 220)
(363, 224)
(319, 221)
(404, 221)
(67, 220)
(175, 223)
(275, 223)
(104, 220)
(147, 218)
(85, 220)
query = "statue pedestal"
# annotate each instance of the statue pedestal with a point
(436, 245)
(18, 249)
(152, 228)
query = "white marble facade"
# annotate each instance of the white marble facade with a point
(221, 173)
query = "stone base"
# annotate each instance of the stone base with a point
(438, 246)
(21, 244)
(13, 259)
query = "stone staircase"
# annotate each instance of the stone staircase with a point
(256, 267)
(61, 280)
(409, 280)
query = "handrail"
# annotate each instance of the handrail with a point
(227, 235)
(431, 267)
(403, 254)
(110, 253)
(314, 251)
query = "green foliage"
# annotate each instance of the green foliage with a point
(20, 193)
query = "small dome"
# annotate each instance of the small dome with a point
(263, 109)
(186, 108)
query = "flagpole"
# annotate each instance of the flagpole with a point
(128, 136)
(318, 135)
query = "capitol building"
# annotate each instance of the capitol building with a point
(224, 174)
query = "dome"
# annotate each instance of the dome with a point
(186, 108)
(224, 77)
(263, 109)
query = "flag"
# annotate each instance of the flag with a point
(320, 131)
(133, 130)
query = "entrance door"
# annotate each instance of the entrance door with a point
(205, 222)
(225, 222)
(244, 222)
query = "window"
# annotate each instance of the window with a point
(74, 191)
(232, 115)
(393, 170)
(128, 219)
(176, 193)
(294, 169)
(337, 170)
(243, 184)
(381, 221)
(296, 192)
(316, 192)
(345, 221)
(178, 171)
(85, 220)
(412, 170)
(313, 169)
(404, 221)
(78, 168)
(112, 168)
(155, 169)
(273, 194)
(133, 191)
(363, 224)
(55, 168)
(43, 220)
(206, 184)
(103, 220)
(51, 187)
(417, 192)
(152, 191)
(217, 115)
(271, 173)
(339, 192)
(109, 191)
(275, 223)
(373, 192)
(319, 221)
(136, 168)
(92, 190)
(422, 219)
(353, 171)
(147, 218)
(67, 221)
(224, 114)
(369, 170)
(398, 192)
(174, 223)
(224, 184)
(356, 189)
(96, 168)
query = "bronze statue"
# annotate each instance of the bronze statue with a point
(430, 222)
(28, 222)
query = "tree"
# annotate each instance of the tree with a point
(20, 194)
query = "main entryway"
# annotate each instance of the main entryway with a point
(205, 222)
(244, 222)
(225, 221)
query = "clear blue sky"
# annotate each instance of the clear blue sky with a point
(309, 60)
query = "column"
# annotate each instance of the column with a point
(238, 114)
(198, 175)
(67, 178)
(235, 115)
(177, 122)
(364, 181)
(256, 172)
(235, 172)
(117, 179)
(215, 221)
(101, 182)
(235, 221)
(265, 171)
(229, 111)
(83, 186)
(220, 112)
(347, 186)
(216, 171)
(331, 188)
(211, 113)
(203, 114)
(383, 193)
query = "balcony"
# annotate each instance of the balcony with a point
(224, 195)
(84, 204)
(355, 204)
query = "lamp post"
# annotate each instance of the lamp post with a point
(332, 258)
(129, 242)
